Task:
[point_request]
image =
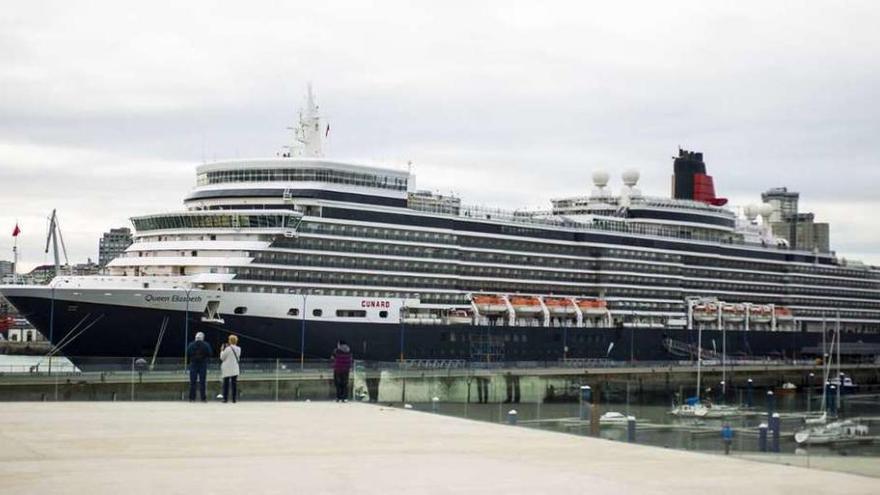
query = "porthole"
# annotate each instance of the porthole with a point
(383, 314)
(317, 312)
(240, 310)
(293, 312)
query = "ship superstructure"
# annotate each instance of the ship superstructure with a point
(264, 245)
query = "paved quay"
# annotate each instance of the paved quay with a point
(325, 447)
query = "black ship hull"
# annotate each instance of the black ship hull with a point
(98, 330)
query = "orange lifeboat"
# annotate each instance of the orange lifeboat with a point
(593, 307)
(760, 313)
(559, 306)
(489, 304)
(706, 312)
(525, 304)
(733, 312)
(784, 314)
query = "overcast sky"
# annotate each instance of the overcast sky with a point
(106, 108)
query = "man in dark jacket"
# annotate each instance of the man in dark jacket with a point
(198, 352)
(342, 361)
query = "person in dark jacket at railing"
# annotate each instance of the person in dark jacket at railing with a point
(198, 352)
(342, 361)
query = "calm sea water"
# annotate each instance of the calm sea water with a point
(655, 426)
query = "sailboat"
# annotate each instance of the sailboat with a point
(836, 431)
(693, 407)
(818, 431)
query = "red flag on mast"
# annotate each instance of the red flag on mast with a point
(16, 231)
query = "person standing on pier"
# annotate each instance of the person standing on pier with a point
(198, 352)
(230, 369)
(727, 437)
(342, 361)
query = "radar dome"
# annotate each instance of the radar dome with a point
(600, 178)
(765, 209)
(630, 177)
(752, 211)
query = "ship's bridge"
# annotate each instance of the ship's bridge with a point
(272, 180)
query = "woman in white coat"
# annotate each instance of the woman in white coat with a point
(229, 368)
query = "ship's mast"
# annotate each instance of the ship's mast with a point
(309, 133)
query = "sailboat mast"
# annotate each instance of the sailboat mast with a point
(839, 376)
(826, 354)
(699, 357)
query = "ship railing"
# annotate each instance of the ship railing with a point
(546, 218)
(100, 369)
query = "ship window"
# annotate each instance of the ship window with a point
(240, 310)
(317, 312)
(383, 314)
(293, 312)
(351, 313)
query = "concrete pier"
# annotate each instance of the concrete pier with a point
(325, 447)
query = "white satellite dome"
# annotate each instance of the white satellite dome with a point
(765, 209)
(600, 178)
(630, 177)
(752, 211)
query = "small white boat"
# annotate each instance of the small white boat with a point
(613, 418)
(816, 420)
(838, 431)
(716, 411)
(692, 408)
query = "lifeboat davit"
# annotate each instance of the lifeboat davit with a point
(559, 306)
(706, 312)
(760, 314)
(733, 312)
(783, 314)
(593, 307)
(489, 304)
(527, 305)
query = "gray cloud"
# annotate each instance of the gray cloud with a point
(105, 108)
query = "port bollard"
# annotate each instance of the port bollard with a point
(776, 426)
(771, 404)
(594, 420)
(749, 398)
(586, 399)
(762, 437)
(631, 429)
(511, 417)
(435, 404)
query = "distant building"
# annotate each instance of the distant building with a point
(799, 229)
(87, 268)
(113, 244)
(43, 274)
(783, 201)
(6, 268)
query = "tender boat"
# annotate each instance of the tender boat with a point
(489, 304)
(593, 307)
(559, 307)
(706, 312)
(526, 305)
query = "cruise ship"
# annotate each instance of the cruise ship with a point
(294, 252)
